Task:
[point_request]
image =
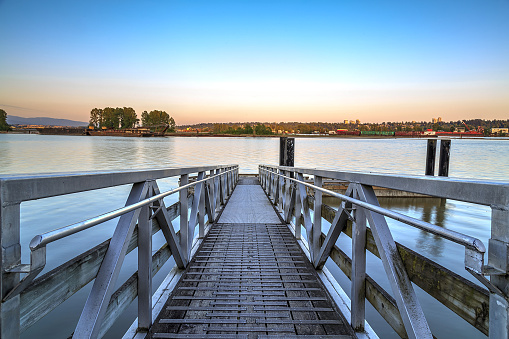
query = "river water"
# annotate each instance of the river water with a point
(470, 158)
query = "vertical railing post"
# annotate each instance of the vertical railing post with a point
(269, 182)
(284, 202)
(217, 191)
(298, 212)
(194, 216)
(431, 151)
(222, 195)
(261, 176)
(264, 179)
(224, 184)
(231, 181)
(228, 182)
(145, 268)
(274, 187)
(497, 257)
(212, 185)
(184, 233)
(234, 174)
(277, 189)
(201, 210)
(10, 255)
(288, 208)
(281, 191)
(271, 185)
(358, 286)
(316, 232)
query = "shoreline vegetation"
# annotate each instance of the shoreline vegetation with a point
(81, 131)
(124, 122)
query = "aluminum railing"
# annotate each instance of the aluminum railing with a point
(144, 204)
(287, 188)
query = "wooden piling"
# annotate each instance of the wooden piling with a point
(430, 157)
(445, 152)
(286, 151)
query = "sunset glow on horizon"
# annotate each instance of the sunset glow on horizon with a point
(236, 61)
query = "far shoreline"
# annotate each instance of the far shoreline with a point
(72, 132)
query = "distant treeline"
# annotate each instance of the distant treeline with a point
(325, 127)
(259, 129)
(125, 117)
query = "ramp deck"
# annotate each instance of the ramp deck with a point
(250, 279)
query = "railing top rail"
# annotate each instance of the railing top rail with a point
(43, 239)
(18, 188)
(484, 192)
(456, 237)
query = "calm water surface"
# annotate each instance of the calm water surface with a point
(472, 158)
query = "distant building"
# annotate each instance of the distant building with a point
(439, 119)
(433, 120)
(459, 129)
(346, 122)
(352, 122)
(357, 121)
(500, 130)
(332, 132)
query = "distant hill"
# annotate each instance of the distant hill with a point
(15, 120)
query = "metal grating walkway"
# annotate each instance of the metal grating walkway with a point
(249, 280)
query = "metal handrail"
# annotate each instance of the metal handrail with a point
(43, 239)
(456, 237)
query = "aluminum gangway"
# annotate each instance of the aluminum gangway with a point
(250, 254)
(250, 279)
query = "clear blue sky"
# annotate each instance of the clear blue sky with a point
(208, 61)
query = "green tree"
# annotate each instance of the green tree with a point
(261, 129)
(248, 129)
(110, 118)
(144, 118)
(304, 129)
(172, 125)
(218, 128)
(127, 117)
(3, 121)
(96, 117)
(157, 118)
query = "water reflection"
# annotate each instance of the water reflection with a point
(49, 153)
(431, 210)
